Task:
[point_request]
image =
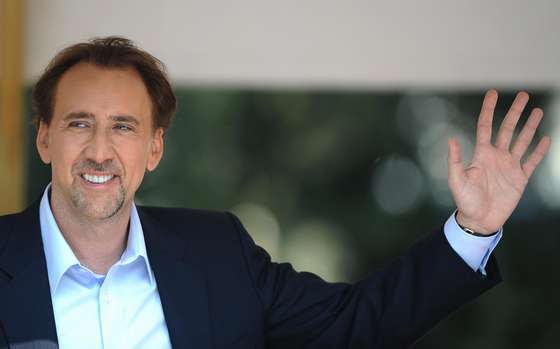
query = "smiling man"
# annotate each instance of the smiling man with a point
(86, 268)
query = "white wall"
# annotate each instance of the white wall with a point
(370, 43)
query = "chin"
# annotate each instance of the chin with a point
(99, 208)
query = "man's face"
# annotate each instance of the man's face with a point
(100, 140)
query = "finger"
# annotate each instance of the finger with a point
(484, 125)
(510, 121)
(535, 158)
(456, 170)
(526, 135)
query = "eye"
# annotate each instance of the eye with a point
(123, 128)
(78, 124)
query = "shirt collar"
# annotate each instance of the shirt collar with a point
(60, 257)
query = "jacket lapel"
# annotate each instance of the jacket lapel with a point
(26, 313)
(181, 282)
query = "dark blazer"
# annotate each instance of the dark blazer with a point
(219, 290)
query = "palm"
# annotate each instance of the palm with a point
(489, 189)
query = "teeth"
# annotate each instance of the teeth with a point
(97, 179)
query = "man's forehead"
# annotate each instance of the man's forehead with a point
(95, 70)
(85, 76)
(86, 86)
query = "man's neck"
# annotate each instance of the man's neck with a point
(97, 243)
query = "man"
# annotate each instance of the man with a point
(86, 268)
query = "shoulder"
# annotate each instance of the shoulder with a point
(7, 224)
(17, 224)
(172, 218)
(213, 240)
(11, 219)
(173, 214)
(27, 217)
(202, 226)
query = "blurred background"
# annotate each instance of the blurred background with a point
(323, 126)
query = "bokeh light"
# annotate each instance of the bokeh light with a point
(548, 177)
(318, 246)
(263, 226)
(397, 185)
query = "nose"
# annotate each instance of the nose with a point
(100, 147)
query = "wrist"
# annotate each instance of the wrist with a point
(472, 227)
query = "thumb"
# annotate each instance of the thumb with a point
(456, 171)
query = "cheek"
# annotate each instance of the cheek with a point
(63, 155)
(135, 171)
(134, 158)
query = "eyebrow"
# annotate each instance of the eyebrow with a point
(78, 115)
(126, 118)
(117, 118)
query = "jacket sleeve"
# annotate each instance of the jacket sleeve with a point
(392, 308)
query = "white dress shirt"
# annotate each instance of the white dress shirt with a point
(119, 310)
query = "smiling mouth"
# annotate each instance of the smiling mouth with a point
(95, 179)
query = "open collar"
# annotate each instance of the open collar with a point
(60, 257)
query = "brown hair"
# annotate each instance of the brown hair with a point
(109, 52)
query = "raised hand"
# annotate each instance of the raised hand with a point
(489, 189)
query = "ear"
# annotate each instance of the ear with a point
(156, 150)
(42, 142)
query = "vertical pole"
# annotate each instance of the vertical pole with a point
(11, 118)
